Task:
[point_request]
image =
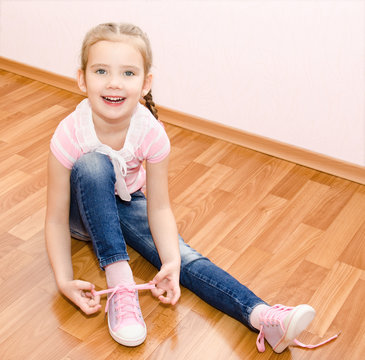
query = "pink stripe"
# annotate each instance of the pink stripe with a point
(59, 156)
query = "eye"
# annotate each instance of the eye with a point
(128, 73)
(100, 71)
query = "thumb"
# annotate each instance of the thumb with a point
(159, 276)
(87, 289)
(84, 285)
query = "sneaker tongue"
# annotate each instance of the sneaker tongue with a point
(126, 302)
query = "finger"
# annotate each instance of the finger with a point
(96, 298)
(90, 310)
(89, 307)
(84, 285)
(172, 296)
(156, 292)
(93, 303)
(93, 296)
(165, 299)
(166, 296)
(160, 276)
(175, 297)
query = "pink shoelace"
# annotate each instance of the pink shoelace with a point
(276, 315)
(125, 296)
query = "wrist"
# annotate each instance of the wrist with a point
(172, 267)
(172, 259)
(62, 283)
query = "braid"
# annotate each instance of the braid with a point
(151, 106)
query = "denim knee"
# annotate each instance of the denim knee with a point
(94, 165)
(188, 254)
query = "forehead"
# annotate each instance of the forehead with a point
(115, 53)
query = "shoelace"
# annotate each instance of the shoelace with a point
(125, 296)
(275, 315)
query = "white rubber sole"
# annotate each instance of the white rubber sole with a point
(127, 341)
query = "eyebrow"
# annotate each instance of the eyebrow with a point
(123, 66)
(98, 65)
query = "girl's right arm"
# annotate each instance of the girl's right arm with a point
(58, 238)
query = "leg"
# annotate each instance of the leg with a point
(93, 210)
(94, 213)
(198, 273)
(279, 325)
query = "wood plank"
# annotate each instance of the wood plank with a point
(195, 217)
(284, 225)
(292, 183)
(338, 285)
(254, 223)
(335, 240)
(285, 262)
(208, 182)
(29, 226)
(331, 204)
(354, 253)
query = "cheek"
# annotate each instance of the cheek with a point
(136, 88)
(93, 82)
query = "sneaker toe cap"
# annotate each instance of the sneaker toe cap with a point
(131, 335)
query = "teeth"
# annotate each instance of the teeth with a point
(116, 99)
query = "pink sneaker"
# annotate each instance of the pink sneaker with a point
(280, 325)
(125, 320)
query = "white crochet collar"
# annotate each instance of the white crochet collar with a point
(89, 142)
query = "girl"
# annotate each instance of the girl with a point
(95, 182)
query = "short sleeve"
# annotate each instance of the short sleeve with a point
(156, 144)
(64, 145)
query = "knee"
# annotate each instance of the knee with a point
(93, 166)
(188, 254)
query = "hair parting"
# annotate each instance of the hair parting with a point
(118, 32)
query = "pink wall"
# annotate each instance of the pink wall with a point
(290, 70)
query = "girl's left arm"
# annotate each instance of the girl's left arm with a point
(164, 232)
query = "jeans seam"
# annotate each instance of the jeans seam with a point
(86, 212)
(139, 237)
(79, 236)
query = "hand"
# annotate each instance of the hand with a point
(79, 292)
(167, 282)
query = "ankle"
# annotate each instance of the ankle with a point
(255, 315)
(118, 272)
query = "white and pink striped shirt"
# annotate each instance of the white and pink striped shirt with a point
(146, 140)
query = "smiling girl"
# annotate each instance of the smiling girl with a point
(95, 183)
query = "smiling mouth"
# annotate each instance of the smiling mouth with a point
(113, 99)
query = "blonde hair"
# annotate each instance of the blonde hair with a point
(121, 32)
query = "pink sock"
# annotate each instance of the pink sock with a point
(118, 272)
(255, 315)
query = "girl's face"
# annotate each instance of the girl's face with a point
(114, 80)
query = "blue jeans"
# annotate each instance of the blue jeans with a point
(111, 223)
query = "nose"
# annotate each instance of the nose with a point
(115, 82)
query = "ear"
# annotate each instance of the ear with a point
(147, 85)
(81, 82)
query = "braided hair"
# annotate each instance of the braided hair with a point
(151, 106)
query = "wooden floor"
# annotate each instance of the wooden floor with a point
(292, 234)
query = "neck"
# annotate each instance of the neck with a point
(105, 127)
(110, 133)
